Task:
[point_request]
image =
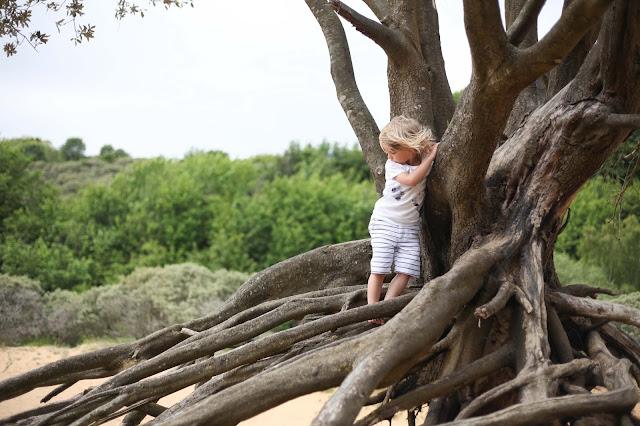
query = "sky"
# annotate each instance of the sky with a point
(246, 78)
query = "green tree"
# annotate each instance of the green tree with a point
(290, 215)
(108, 153)
(325, 160)
(73, 149)
(34, 148)
(456, 95)
(121, 153)
(592, 207)
(16, 26)
(616, 249)
(54, 265)
(20, 188)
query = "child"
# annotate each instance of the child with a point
(394, 225)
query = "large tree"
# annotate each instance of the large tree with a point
(489, 335)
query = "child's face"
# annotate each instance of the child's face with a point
(401, 156)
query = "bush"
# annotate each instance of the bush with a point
(593, 206)
(54, 265)
(578, 272)
(71, 176)
(111, 311)
(179, 293)
(632, 300)
(151, 298)
(21, 310)
(141, 303)
(61, 309)
(615, 250)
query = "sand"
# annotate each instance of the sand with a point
(16, 360)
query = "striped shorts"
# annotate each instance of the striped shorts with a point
(395, 244)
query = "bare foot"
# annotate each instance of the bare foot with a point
(379, 321)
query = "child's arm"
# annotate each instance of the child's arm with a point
(412, 179)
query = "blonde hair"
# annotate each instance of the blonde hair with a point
(406, 133)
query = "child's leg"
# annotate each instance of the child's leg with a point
(398, 283)
(374, 287)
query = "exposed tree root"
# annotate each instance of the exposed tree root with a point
(335, 346)
(249, 302)
(468, 374)
(554, 372)
(505, 292)
(594, 309)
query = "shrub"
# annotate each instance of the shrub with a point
(578, 272)
(179, 293)
(615, 250)
(141, 303)
(54, 265)
(21, 310)
(111, 311)
(72, 176)
(61, 309)
(631, 300)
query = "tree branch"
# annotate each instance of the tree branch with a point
(357, 113)
(526, 18)
(558, 337)
(441, 95)
(381, 35)
(575, 22)
(219, 383)
(71, 369)
(247, 353)
(244, 332)
(620, 342)
(379, 7)
(487, 39)
(621, 397)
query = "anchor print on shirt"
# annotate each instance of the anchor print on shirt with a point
(399, 195)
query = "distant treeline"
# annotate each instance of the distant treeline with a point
(75, 223)
(239, 215)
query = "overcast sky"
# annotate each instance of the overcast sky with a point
(244, 77)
